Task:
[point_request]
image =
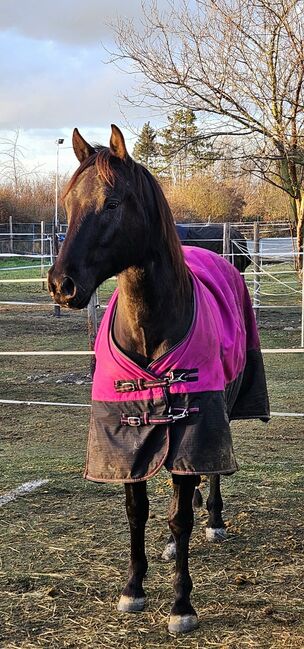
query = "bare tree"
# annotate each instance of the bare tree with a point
(240, 62)
(11, 161)
(12, 169)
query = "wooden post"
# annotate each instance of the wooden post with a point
(11, 234)
(226, 241)
(42, 271)
(92, 326)
(256, 271)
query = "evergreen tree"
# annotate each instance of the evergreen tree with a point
(182, 149)
(146, 148)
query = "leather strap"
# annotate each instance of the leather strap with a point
(168, 418)
(175, 376)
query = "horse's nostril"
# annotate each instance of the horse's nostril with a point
(68, 287)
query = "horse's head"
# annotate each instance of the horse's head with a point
(108, 221)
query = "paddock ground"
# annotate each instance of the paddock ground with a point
(64, 547)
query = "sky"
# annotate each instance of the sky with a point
(53, 77)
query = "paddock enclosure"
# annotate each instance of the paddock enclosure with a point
(64, 544)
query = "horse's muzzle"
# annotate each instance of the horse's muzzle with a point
(62, 288)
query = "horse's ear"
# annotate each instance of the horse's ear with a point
(82, 149)
(117, 143)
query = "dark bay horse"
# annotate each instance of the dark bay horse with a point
(120, 224)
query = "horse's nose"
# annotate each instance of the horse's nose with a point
(61, 288)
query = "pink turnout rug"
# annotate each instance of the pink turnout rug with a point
(176, 412)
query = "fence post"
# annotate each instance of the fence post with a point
(226, 241)
(33, 239)
(256, 270)
(92, 326)
(42, 252)
(49, 239)
(11, 233)
(55, 253)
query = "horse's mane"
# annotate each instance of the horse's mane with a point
(103, 159)
(168, 229)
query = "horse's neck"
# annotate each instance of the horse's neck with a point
(153, 314)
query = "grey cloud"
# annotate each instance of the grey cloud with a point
(49, 101)
(52, 75)
(65, 21)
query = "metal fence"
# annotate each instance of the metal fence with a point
(272, 288)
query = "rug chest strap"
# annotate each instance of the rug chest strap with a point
(167, 418)
(175, 376)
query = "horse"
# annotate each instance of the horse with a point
(152, 402)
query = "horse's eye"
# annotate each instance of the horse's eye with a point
(111, 205)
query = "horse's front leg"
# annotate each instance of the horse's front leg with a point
(183, 616)
(137, 505)
(215, 530)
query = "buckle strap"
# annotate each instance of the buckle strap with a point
(167, 418)
(174, 376)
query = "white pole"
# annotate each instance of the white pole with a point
(56, 187)
(42, 251)
(226, 241)
(256, 270)
(11, 233)
(58, 142)
(51, 250)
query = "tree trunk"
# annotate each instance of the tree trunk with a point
(297, 206)
(298, 209)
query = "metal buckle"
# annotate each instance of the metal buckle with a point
(133, 420)
(126, 386)
(181, 415)
(176, 379)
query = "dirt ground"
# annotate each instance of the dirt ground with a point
(64, 547)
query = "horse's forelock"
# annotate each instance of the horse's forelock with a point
(88, 162)
(101, 158)
(104, 167)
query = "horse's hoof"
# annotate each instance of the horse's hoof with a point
(169, 552)
(131, 604)
(182, 623)
(216, 534)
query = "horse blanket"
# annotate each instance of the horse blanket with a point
(176, 412)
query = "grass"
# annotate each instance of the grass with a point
(64, 547)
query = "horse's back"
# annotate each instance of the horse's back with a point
(228, 297)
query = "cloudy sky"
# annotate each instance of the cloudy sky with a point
(53, 75)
